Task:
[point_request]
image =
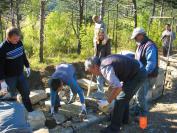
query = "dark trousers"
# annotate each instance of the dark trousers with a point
(120, 113)
(165, 51)
(20, 83)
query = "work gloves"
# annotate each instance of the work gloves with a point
(4, 87)
(103, 104)
(28, 72)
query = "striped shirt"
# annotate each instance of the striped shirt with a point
(12, 59)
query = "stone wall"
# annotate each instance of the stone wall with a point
(171, 77)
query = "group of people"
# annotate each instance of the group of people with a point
(127, 75)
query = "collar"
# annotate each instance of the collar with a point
(145, 40)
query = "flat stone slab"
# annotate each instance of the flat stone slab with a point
(36, 119)
(71, 110)
(74, 127)
(42, 130)
(35, 96)
(85, 83)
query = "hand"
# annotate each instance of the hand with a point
(103, 103)
(4, 87)
(28, 72)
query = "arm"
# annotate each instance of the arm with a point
(151, 54)
(109, 74)
(2, 63)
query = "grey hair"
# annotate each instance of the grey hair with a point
(90, 62)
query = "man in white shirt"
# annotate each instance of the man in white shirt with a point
(167, 40)
(116, 69)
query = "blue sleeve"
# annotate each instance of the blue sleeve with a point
(74, 85)
(151, 53)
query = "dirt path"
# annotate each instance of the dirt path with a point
(162, 117)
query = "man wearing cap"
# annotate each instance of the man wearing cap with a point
(147, 53)
(116, 69)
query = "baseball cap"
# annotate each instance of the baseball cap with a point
(137, 31)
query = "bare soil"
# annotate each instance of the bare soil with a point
(162, 117)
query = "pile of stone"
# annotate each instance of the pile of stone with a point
(171, 73)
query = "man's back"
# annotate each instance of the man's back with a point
(125, 68)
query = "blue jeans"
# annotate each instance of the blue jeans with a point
(142, 102)
(100, 83)
(75, 88)
(20, 83)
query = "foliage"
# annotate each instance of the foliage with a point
(63, 27)
(87, 41)
(59, 37)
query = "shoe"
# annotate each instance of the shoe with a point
(72, 99)
(109, 130)
(56, 108)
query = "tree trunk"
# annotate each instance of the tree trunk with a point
(42, 18)
(162, 8)
(102, 8)
(1, 29)
(18, 15)
(108, 24)
(117, 15)
(153, 10)
(113, 33)
(81, 18)
(12, 13)
(96, 11)
(135, 13)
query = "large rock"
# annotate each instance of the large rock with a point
(59, 118)
(35, 96)
(36, 119)
(85, 83)
(47, 91)
(48, 104)
(42, 130)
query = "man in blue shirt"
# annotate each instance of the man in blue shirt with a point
(147, 53)
(65, 75)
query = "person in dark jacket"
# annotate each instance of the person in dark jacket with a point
(12, 62)
(147, 53)
(102, 49)
(116, 69)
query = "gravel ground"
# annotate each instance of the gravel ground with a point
(162, 118)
